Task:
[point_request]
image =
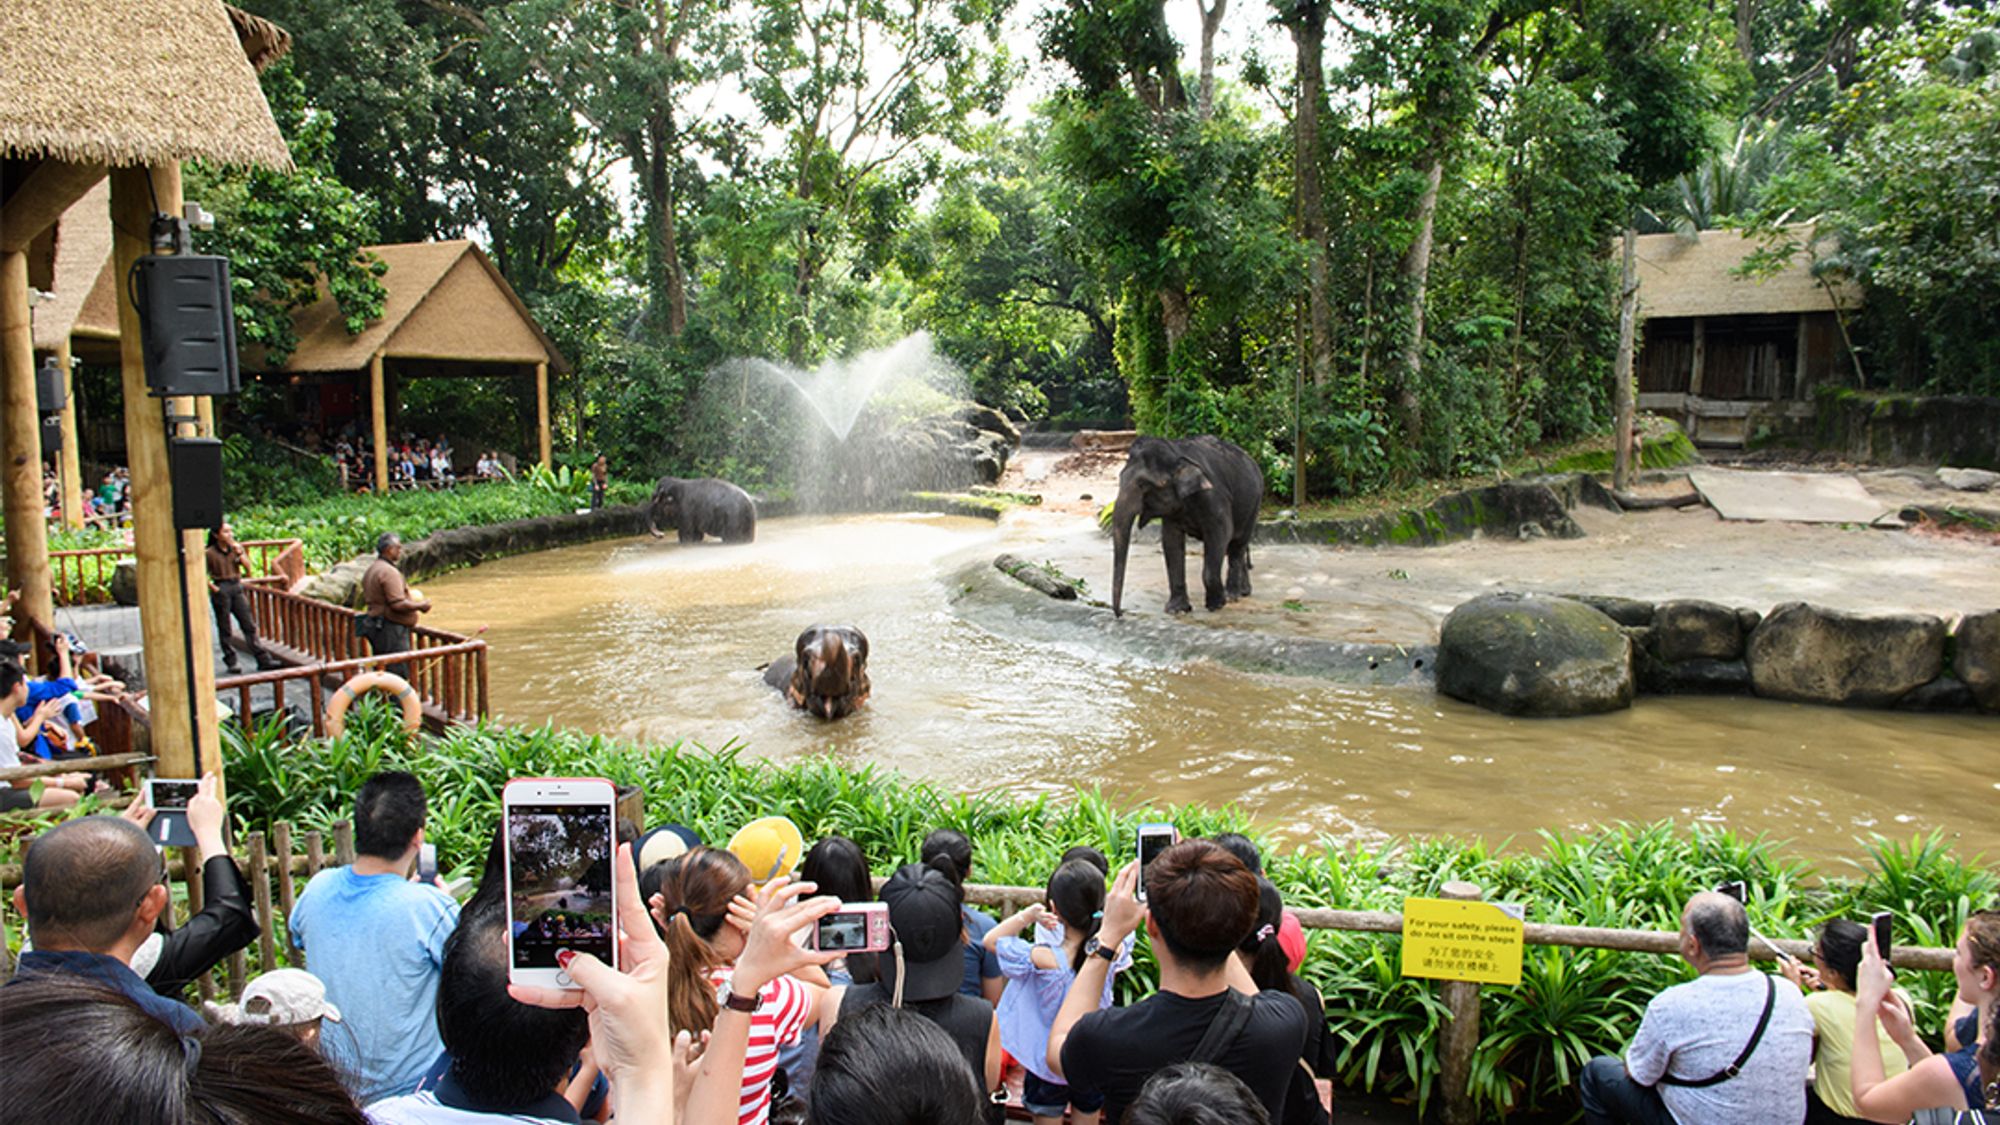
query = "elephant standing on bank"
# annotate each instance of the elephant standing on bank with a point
(1200, 486)
(700, 508)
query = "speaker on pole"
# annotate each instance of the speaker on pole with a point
(197, 475)
(188, 324)
(49, 394)
(51, 434)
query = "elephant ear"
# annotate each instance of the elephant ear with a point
(857, 643)
(1189, 480)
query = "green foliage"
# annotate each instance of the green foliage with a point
(257, 468)
(1571, 1004)
(343, 526)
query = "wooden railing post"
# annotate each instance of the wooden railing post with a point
(1460, 1034)
(343, 842)
(260, 895)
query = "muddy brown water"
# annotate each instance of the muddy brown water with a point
(652, 641)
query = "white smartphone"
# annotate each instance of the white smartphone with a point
(561, 834)
(169, 798)
(1153, 839)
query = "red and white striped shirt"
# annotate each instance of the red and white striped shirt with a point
(778, 1022)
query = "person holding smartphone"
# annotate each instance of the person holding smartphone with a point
(1951, 1081)
(1829, 987)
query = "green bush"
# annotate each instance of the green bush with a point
(344, 526)
(1570, 1005)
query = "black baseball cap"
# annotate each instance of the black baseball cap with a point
(924, 913)
(12, 649)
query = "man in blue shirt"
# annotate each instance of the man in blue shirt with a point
(92, 889)
(377, 940)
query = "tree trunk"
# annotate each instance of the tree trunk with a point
(668, 309)
(1309, 36)
(1746, 18)
(1211, 22)
(1416, 276)
(1621, 371)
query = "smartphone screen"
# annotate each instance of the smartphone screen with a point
(559, 881)
(173, 794)
(1881, 923)
(1153, 839)
(842, 932)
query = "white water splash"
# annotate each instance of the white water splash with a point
(837, 391)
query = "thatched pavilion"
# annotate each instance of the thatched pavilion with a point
(448, 313)
(1728, 354)
(90, 88)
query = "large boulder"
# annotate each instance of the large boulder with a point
(341, 583)
(125, 582)
(1976, 657)
(1696, 630)
(1538, 656)
(1814, 655)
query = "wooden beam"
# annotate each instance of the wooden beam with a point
(1799, 390)
(71, 457)
(542, 411)
(21, 452)
(41, 198)
(169, 561)
(1695, 364)
(378, 406)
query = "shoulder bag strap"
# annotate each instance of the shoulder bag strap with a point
(1227, 1024)
(1735, 1068)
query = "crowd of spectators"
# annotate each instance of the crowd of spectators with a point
(414, 462)
(722, 1012)
(107, 505)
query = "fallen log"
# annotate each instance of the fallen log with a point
(1035, 577)
(1633, 503)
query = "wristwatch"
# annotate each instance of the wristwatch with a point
(1108, 952)
(727, 998)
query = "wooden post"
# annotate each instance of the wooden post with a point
(378, 404)
(1622, 391)
(260, 896)
(281, 842)
(21, 453)
(170, 562)
(71, 457)
(1459, 1037)
(1799, 391)
(315, 855)
(343, 842)
(542, 411)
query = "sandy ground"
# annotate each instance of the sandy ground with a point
(1400, 594)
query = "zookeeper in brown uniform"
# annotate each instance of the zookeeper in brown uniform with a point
(391, 611)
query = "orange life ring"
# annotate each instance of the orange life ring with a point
(406, 696)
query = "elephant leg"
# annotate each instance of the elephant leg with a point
(1239, 571)
(689, 531)
(1215, 594)
(1173, 543)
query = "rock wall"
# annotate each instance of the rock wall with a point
(469, 546)
(1537, 655)
(1894, 429)
(1528, 509)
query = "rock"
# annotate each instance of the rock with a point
(341, 583)
(1814, 655)
(1976, 657)
(1536, 656)
(1707, 677)
(1103, 441)
(991, 421)
(1625, 611)
(1696, 630)
(1747, 620)
(125, 582)
(1968, 480)
(1946, 693)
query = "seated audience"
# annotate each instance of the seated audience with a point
(1951, 1081)
(57, 792)
(925, 916)
(1201, 904)
(509, 1061)
(1724, 1048)
(1196, 1094)
(77, 1051)
(982, 968)
(377, 940)
(92, 889)
(1039, 976)
(1829, 985)
(289, 1000)
(1270, 968)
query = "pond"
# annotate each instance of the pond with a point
(652, 641)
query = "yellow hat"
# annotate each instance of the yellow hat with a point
(769, 847)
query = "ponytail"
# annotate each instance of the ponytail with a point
(1076, 891)
(695, 891)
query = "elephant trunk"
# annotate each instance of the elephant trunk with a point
(653, 522)
(1124, 511)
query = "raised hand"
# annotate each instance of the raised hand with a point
(770, 919)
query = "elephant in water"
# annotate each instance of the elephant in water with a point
(700, 508)
(1200, 486)
(827, 675)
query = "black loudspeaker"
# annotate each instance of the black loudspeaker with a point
(51, 435)
(188, 324)
(49, 396)
(197, 473)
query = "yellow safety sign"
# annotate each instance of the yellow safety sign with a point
(1448, 939)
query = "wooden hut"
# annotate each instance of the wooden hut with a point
(90, 88)
(1728, 355)
(448, 313)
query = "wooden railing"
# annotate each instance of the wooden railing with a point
(83, 577)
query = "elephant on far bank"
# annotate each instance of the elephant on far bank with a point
(700, 508)
(1200, 486)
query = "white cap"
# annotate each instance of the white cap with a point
(279, 998)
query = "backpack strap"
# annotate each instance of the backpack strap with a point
(1228, 1022)
(1735, 1068)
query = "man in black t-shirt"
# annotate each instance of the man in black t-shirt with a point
(1201, 901)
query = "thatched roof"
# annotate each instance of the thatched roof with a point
(446, 301)
(134, 83)
(83, 260)
(1693, 277)
(263, 42)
